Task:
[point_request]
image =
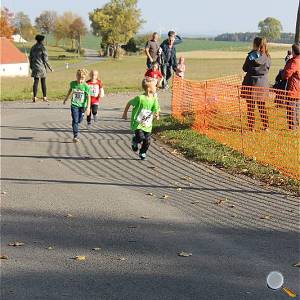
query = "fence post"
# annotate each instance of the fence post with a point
(205, 109)
(241, 120)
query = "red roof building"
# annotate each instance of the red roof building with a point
(12, 61)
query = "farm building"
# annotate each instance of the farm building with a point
(12, 61)
(18, 39)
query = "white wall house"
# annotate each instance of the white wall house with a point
(18, 39)
(12, 61)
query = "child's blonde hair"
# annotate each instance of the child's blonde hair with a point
(92, 73)
(148, 83)
(82, 73)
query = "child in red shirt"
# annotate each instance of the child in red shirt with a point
(97, 93)
(155, 74)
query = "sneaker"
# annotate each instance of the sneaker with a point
(89, 124)
(134, 146)
(95, 119)
(76, 140)
(143, 156)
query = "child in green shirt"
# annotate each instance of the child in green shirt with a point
(145, 107)
(80, 102)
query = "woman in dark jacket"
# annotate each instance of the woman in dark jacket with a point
(38, 59)
(257, 66)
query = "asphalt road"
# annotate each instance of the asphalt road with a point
(98, 194)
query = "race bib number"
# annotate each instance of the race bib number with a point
(95, 90)
(145, 118)
(78, 96)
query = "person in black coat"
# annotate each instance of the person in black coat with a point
(257, 66)
(167, 56)
(38, 60)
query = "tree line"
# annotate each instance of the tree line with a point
(116, 23)
(270, 28)
(67, 26)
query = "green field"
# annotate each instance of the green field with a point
(205, 60)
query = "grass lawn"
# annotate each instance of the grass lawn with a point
(117, 75)
(200, 148)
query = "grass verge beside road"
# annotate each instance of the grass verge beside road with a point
(203, 149)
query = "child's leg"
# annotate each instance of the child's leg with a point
(75, 111)
(94, 111)
(146, 142)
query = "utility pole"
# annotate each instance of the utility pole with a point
(297, 34)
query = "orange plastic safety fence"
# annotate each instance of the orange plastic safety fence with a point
(261, 123)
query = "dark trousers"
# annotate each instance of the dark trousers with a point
(144, 138)
(262, 110)
(94, 111)
(77, 117)
(36, 85)
(166, 71)
(292, 112)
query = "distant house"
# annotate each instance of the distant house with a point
(18, 39)
(12, 61)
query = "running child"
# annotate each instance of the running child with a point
(145, 107)
(155, 74)
(97, 92)
(180, 70)
(80, 102)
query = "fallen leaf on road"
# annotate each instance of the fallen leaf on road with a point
(265, 217)
(187, 178)
(3, 257)
(79, 258)
(195, 202)
(232, 206)
(174, 152)
(184, 254)
(297, 265)
(152, 167)
(289, 292)
(145, 217)
(149, 194)
(16, 244)
(96, 249)
(165, 197)
(121, 258)
(220, 202)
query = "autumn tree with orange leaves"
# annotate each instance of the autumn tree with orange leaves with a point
(6, 28)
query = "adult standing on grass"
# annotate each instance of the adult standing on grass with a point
(151, 50)
(167, 56)
(291, 73)
(38, 60)
(257, 66)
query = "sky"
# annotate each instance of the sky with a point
(188, 17)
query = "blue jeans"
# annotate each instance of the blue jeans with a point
(77, 117)
(167, 74)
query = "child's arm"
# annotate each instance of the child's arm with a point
(88, 109)
(157, 116)
(126, 111)
(68, 95)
